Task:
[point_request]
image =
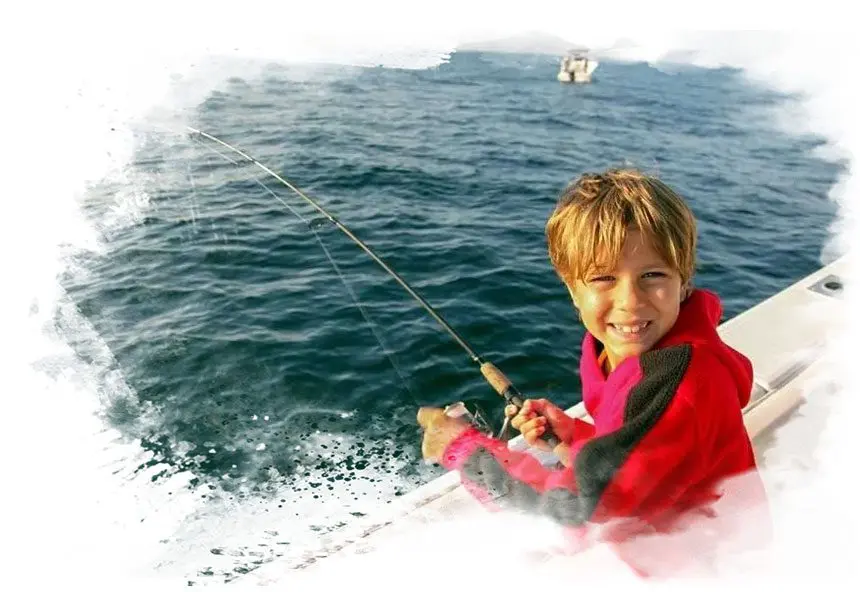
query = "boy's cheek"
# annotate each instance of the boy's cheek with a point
(588, 316)
(587, 320)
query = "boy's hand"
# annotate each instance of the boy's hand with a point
(439, 431)
(532, 421)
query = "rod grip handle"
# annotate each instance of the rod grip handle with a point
(505, 388)
(496, 378)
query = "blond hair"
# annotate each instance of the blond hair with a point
(588, 227)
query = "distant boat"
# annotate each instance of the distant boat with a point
(576, 67)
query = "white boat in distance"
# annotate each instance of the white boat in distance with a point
(576, 67)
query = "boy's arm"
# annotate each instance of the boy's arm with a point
(511, 479)
(641, 468)
(493, 472)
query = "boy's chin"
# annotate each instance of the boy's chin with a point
(629, 350)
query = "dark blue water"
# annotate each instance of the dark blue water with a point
(233, 329)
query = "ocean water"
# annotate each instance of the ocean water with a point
(271, 383)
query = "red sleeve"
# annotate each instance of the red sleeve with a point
(582, 431)
(499, 476)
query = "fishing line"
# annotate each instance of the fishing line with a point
(312, 226)
(500, 383)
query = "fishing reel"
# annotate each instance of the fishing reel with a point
(477, 420)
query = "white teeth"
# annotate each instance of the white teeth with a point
(629, 329)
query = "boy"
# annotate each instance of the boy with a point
(665, 392)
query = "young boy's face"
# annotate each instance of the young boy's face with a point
(631, 307)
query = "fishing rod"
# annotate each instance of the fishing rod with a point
(495, 377)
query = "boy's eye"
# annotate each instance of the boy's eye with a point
(655, 274)
(602, 278)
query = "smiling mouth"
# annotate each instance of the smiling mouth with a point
(630, 330)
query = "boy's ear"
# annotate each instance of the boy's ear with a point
(686, 290)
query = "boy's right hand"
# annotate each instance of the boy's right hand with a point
(533, 419)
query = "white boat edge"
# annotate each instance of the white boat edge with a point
(781, 372)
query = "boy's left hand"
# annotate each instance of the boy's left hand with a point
(439, 431)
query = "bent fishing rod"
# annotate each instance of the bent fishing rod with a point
(495, 377)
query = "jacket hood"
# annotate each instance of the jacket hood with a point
(697, 324)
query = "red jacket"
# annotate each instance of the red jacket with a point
(668, 429)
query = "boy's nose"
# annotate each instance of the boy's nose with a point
(628, 295)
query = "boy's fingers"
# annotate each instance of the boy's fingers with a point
(520, 418)
(544, 408)
(511, 410)
(533, 424)
(532, 436)
(540, 405)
